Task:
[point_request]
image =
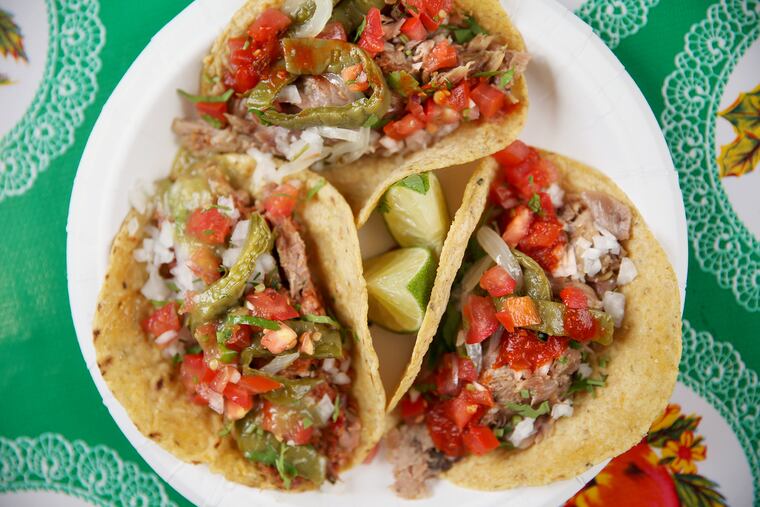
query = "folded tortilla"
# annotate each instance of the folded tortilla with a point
(642, 361)
(148, 385)
(363, 183)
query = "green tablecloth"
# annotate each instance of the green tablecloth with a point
(55, 434)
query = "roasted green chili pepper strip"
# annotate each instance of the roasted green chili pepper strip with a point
(318, 57)
(351, 12)
(263, 94)
(535, 282)
(225, 292)
(403, 83)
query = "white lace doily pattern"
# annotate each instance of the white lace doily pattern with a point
(68, 87)
(715, 371)
(722, 243)
(614, 20)
(97, 474)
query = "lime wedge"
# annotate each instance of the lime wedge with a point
(415, 212)
(399, 284)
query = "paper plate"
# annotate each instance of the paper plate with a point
(583, 104)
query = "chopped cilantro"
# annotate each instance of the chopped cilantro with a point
(586, 384)
(464, 35)
(498, 432)
(157, 303)
(524, 394)
(535, 204)
(307, 423)
(505, 79)
(195, 349)
(316, 188)
(575, 345)
(531, 180)
(370, 122)
(247, 44)
(562, 360)
(602, 362)
(207, 98)
(424, 388)
(526, 410)
(214, 122)
(403, 38)
(178, 358)
(382, 205)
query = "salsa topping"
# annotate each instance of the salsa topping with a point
(525, 332)
(236, 309)
(408, 72)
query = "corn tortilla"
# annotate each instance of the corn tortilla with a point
(148, 385)
(363, 183)
(642, 364)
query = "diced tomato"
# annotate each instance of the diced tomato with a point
(547, 207)
(240, 337)
(240, 55)
(502, 194)
(245, 79)
(446, 437)
(239, 395)
(436, 115)
(580, 324)
(162, 320)
(431, 7)
(530, 175)
(204, 263)
(333, 30)
(547, 171)
(411, 411)
(481, 317)
(467, 370)
(215, 110)
(403, 128)
(460, 410)
(519, 226)
(460, 97)
(479, 440)
(371, 456)
(513, 154)
(209, 226)
(542, 234)
(480, 395)
(285, 423)
(488, 99)
(447, 375)
(431, 23)
(442, 56)
(281, 202)
(518, 312)
(574, 298)
(497, 282)
(268, 25)
(549, 258)
(194, 371)
(371, 39)
(522, 350)
(413, 28)
(222, 378)
(205, 334)
(258, 384)
(270, 304)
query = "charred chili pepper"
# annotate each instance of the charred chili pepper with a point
(318, 57)
(225, 292)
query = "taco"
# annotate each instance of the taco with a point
(410, 85)
(560, 343)
(232, 327)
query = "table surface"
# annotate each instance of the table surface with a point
(696, 63)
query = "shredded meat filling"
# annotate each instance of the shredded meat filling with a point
(415, 460)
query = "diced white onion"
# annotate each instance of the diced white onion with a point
(266, 169)
(614, 304)
(316, 23)
(329, 365)
(184, 277)
(139, 196)
(215, 400)
(544, 369)
(567, 266)
(350, 151)
(325, 408)
(227, 206)
(235, 376)
(606, 244)
(523, 430)
(290, 95)
(352, 135)
(345, 364)
(165, 337)
(472, 277)
(495, 246)
(556, 194)
(341, 379)
(155, 288)
(591, 263)
(583, 244)
(584, 370)
(627, 272)
(564, 409)
(279, 363)
(475, 352)
(391, 144)
(231, 255)
(492, 350)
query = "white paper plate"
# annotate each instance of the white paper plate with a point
(583, 104)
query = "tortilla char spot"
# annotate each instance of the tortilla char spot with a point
(124, 285)
(106, 362)
(480, 181)
(159, 383)
(95, 334)
(154, 435)
(217, 444)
